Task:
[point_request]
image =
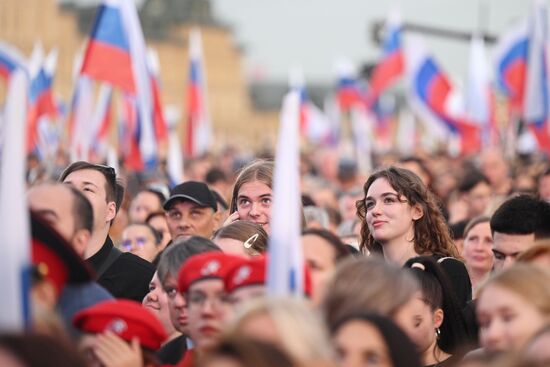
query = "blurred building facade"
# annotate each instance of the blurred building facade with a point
(166, 25)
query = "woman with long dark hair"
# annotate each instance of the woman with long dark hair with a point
(401, 219)
(433, 319)
(364, 339)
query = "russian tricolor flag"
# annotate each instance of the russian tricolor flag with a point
(159, 121)
(14, 213)
(479, 100)
(116, 54)
(511, 64)
(285, 262)
(347, 92)
(78, 120)
(10, 60)
(430, 91)
(131, 135)
(536, 104)
(101, 122)
(198, 122)
(314, 125)
(41, 100)
(107, 56)
(347, 89)
(391, 67)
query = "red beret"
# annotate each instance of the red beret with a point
(127, 319)
(253, 271)
(54, 258)
(246, 272)
(308, 286)
(208, 265)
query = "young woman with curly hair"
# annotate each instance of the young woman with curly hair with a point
(400, 219)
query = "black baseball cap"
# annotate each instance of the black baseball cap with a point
(195, 191)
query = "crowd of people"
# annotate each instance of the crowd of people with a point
(427, 260)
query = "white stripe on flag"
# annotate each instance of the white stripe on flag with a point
(203, 129)
(14, 214)
(174, 161)
(138, 53)
(535, 107)
(285, 263)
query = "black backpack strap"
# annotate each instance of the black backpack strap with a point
(113, 255)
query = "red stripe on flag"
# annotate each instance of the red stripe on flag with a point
(161, 131)
(385, 73)
(4, 72)
(193, 110)
(133, 160)
(109, 64)
(438, 91)
(515, 80)
(542, 135)
(46, 105)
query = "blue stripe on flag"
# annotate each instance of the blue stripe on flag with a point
(517, 52)
(195, 70)
(109, 29)
(392, 42)
(292, 280)
(25, 294)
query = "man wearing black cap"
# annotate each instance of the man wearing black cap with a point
(191, 210)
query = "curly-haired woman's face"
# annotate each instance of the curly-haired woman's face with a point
(389, 216)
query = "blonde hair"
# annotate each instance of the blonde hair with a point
(367, 285)
(301, 331)
(527, 281)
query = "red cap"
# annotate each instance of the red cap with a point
(246, 272)
(128, 319)
(54, 258)
(208, 265)
(308, 285)
(253, 271)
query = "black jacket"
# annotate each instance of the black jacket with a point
(173, 351)
(127, 277)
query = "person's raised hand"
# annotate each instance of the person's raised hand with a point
(113, 351)
(232, 218)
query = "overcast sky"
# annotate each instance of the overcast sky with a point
(313, 34)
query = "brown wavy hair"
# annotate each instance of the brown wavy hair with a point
(431, 233)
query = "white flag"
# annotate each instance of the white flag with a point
(14, 212)
(174, 161)
(138, 52)
(285, 264)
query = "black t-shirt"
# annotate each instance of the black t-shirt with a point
(173, 351)
(127, 277)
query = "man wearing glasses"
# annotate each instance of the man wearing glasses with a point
(124, 275)
(200, 281)
(170, 262)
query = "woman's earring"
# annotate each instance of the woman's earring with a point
(437, 333)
